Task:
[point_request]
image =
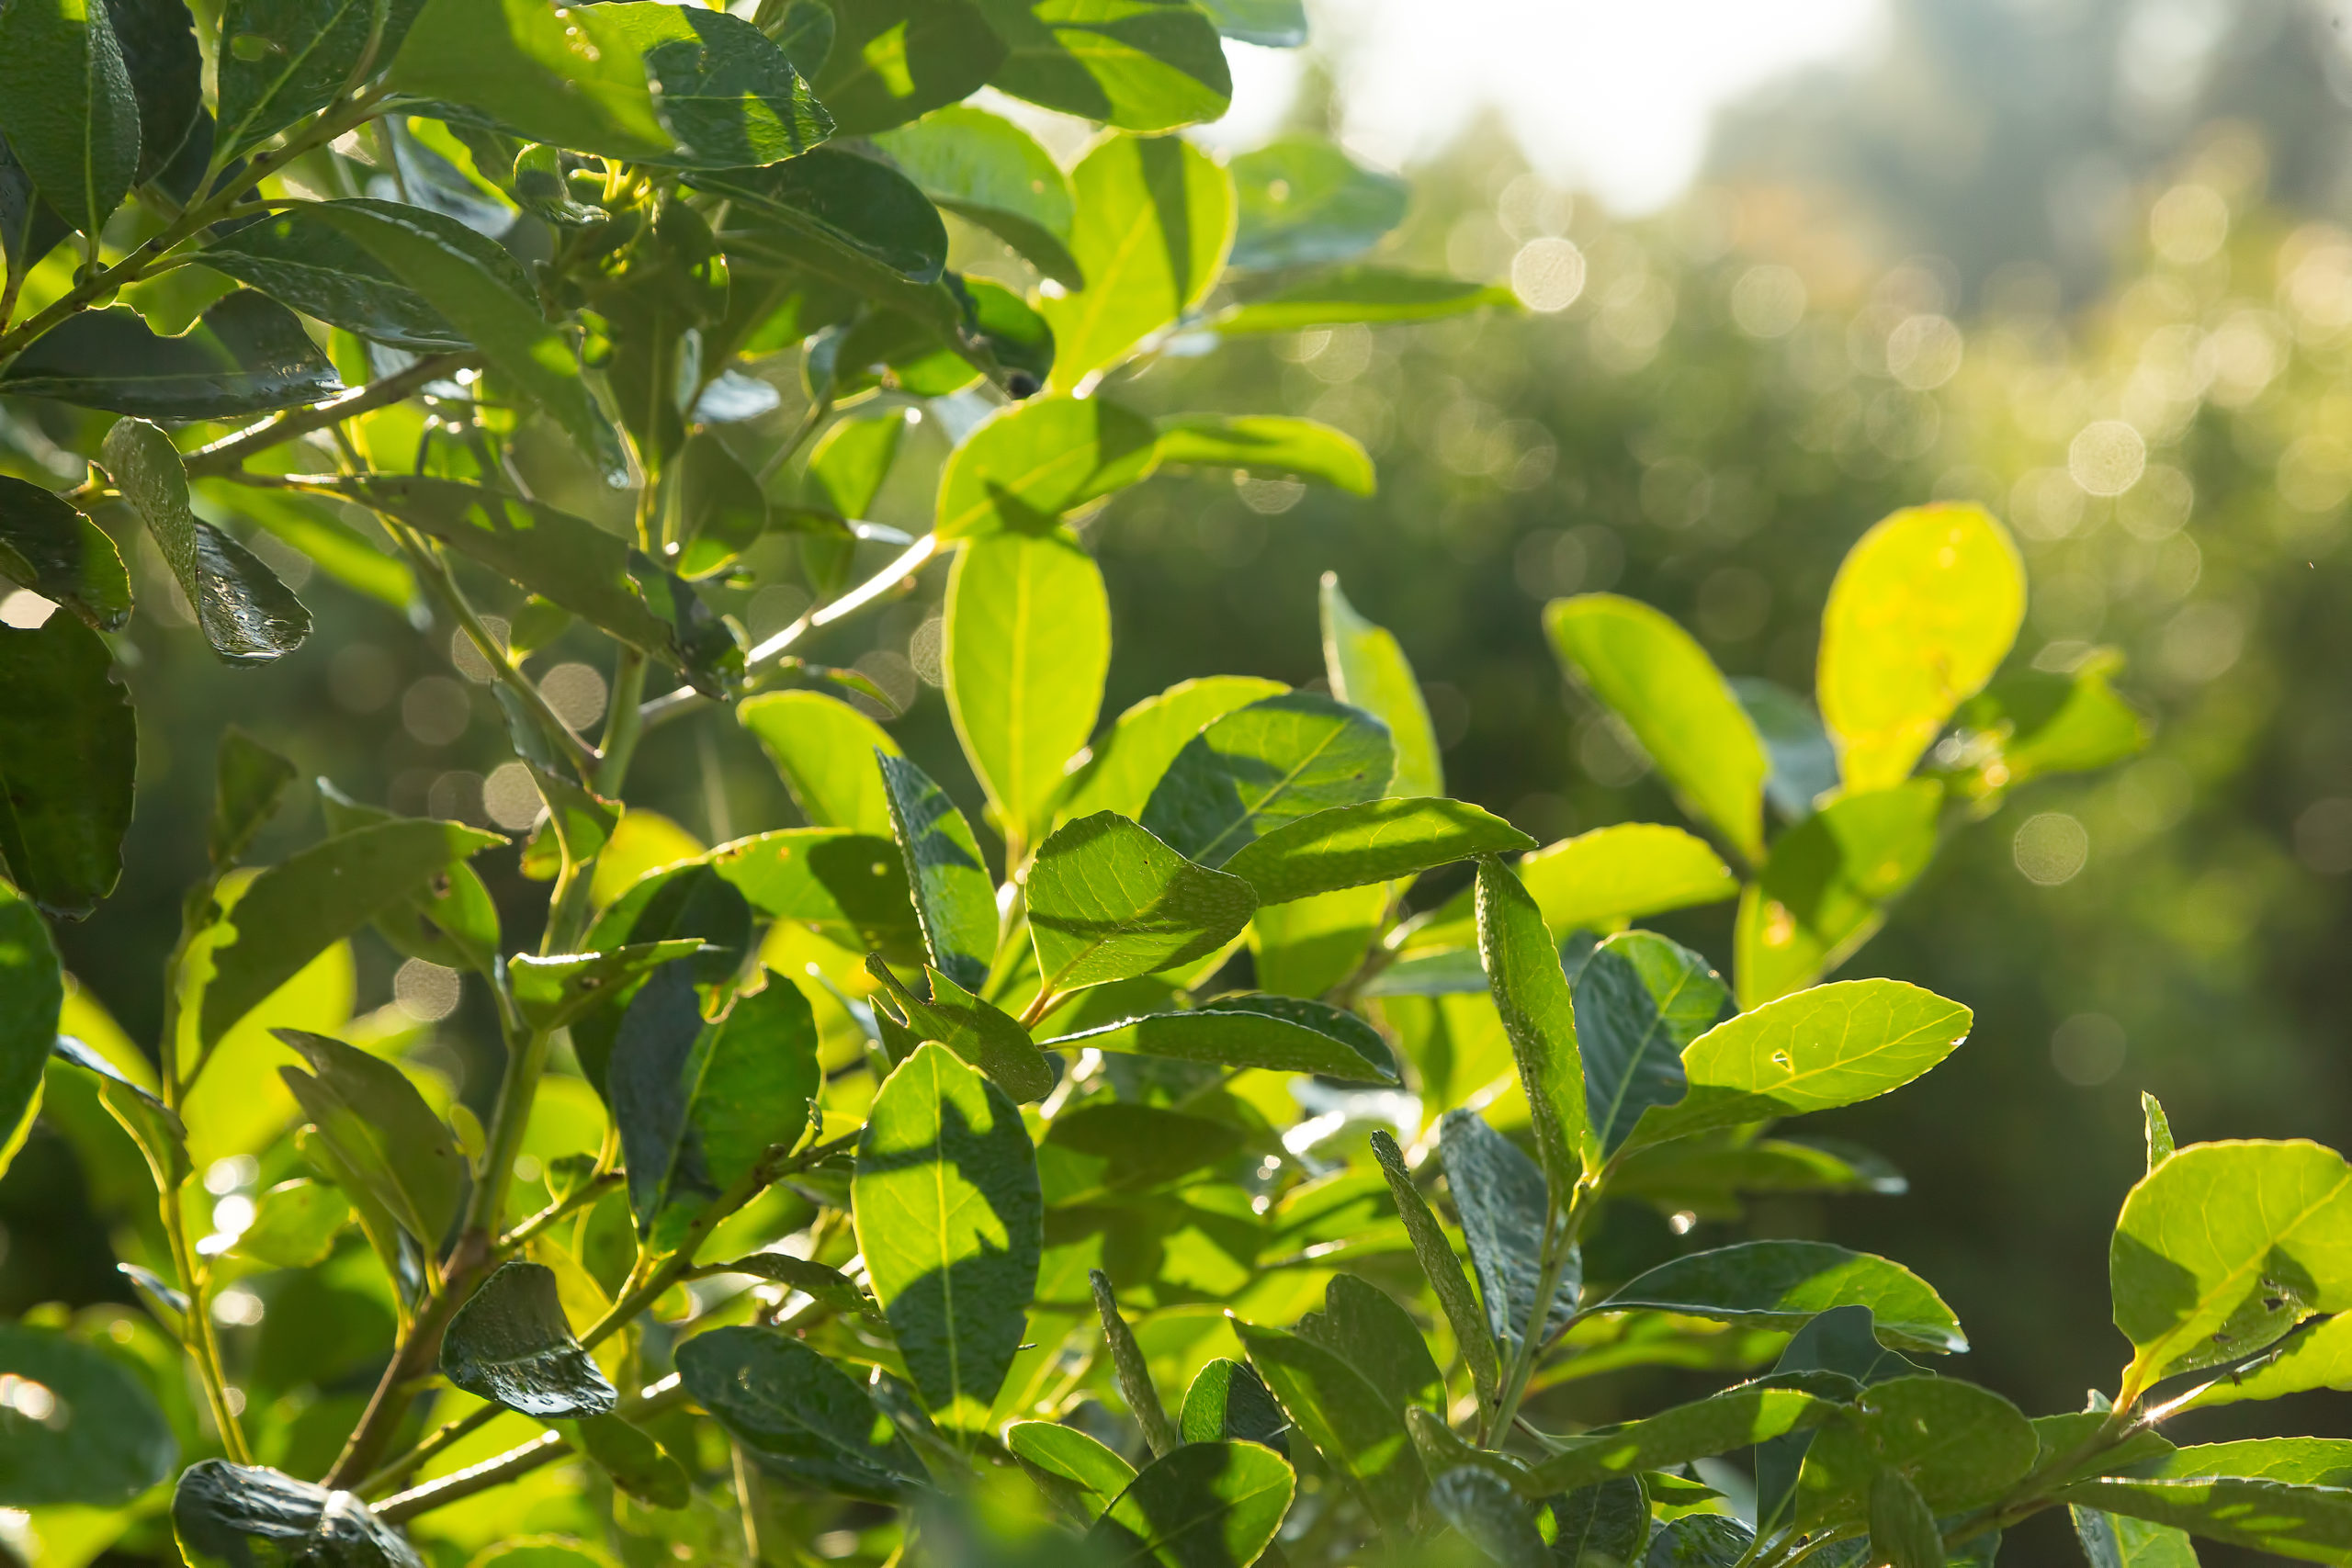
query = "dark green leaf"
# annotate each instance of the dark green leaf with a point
(1302, 200)
(824, 750)
(1640, 1000)
(638, 1465)
(29, 226)
(1482, 1506)
(1137, 65)
(155, 1126)
(728, 96)
(1531, 992)
(1902, 1527)
(69, 745)
(1782, 1284)
(1229, 1403)
(892, 60)
(1700, 1540)
(850, 888)
(1264, 766)
(1155, 219)
(691, 898)
(2116, 1540)
(82, 1427)
(1227, 1032)
(67, 106)
(283, 59)
(62, 556)
(1343, 1415)
(1826, 889)
(236, 1515)
(246, 614)
(722, 511)
(1079, 1474)
(700, 1104)
(1604, 1525)
(1500, 1194)
(510, 1344)
(1736, 1418)
(1839, 1340)
(1349, 846)
(954, 898)
(248, 355)
(1364, 1326)
(1706, 1175)
(1205, 1505)
(799, 1415)
(951, 1224)
(157, 39)
(298, 257)
(838, 199)
(1129, 1371)
(567, 79)
(1472, 1332)
(249, 782)
(1805, 765)
(2029, 722)
(296, 909)
(1832, 1045)
(32, 990)
(1962, 1446)
(830, 1286)
(379, 1127)
(989, 171)
(1344, 295)
(1107, 902)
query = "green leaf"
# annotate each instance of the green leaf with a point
(2112, 1541)
(1805, 765)
(67, 106)
(50, 548)
(249, 782)
(850, 888)
(2031, 723)
(1264, 766)
(380, 1126)
(334, 546)
(1155, 219)
(295, 1225)
(1107, 902)
(477, 287)
(729, 97)
(1135, 65)
(1597, 1527)
(893, 61)
(281, 60)
(1841, 1340)
(449, 920)
(1736, 1418)
(1658, 679)
(1598, 881)
(954, 900)
(1211, 1505)
(1024, 648)
(32, 990)
(860, 209)
(989, 171)
(1349, 846)
(1827, 888)
(1784, 1284)
(1707, 1174)
(2224, 1247)
(1368, 670)
(1267, 446)
(29, 226)
(2285, 1495)
(69, 745)
(2158, 1130)
(981, 1034)
(828, 1285)
(1082, 1477)
(1922, 612)
(305, 904)
(1481, 1505)
(1500, 1194)
(1121, 770)
(1306, 947)
(2319, 1356)
(1026, 466)
(1342, 296)
(1472, 1331)
(1229, 1403)
(852, 459)
(299, 258)
(246, 614)
(1960, 1444)
(571, 80)
(1639, 1001)
(1701, 1541)
(798, 1415)
(563, 558)
(1832, 1045)
(1364, 1326)
(700, 1104)
(721, 510)
(247, 354)
(1228, 1033)
(637, 1464)
(1532, 993)
(1303, 202)
(510, 1344)
(159, 55)
(823, 748)
(97, 1439)
(951, 1224)
(1343, 1416)
(1129, 1372)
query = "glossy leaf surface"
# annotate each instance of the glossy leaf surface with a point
(1783, 1284)
(510, 1344)
(797, 1413)
(1264, 766)
(69, 746)
(246, 354)
(50, 548)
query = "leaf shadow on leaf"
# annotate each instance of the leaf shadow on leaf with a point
(2152, 1292)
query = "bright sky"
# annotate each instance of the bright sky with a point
(1613, 97)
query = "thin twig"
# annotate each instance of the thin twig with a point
(229, 451)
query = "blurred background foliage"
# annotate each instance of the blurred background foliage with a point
(2087, 261)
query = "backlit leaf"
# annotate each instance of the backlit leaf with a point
(1378, 840)
(1122, 768)
(1343, 1415)
(382, 1131)
(1532, 994)
(1827, 888)
(1137, 65)
(1303, 200)
(1367, 669)
(1028, 465)
(1155, 219)
(988, 171)
(1264, 766)
(1213, 1505)
(1354, 293)
(824, 750)
(1784, 1284)
(1107, 902)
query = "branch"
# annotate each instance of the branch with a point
(229, 451)
(548, 1447)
